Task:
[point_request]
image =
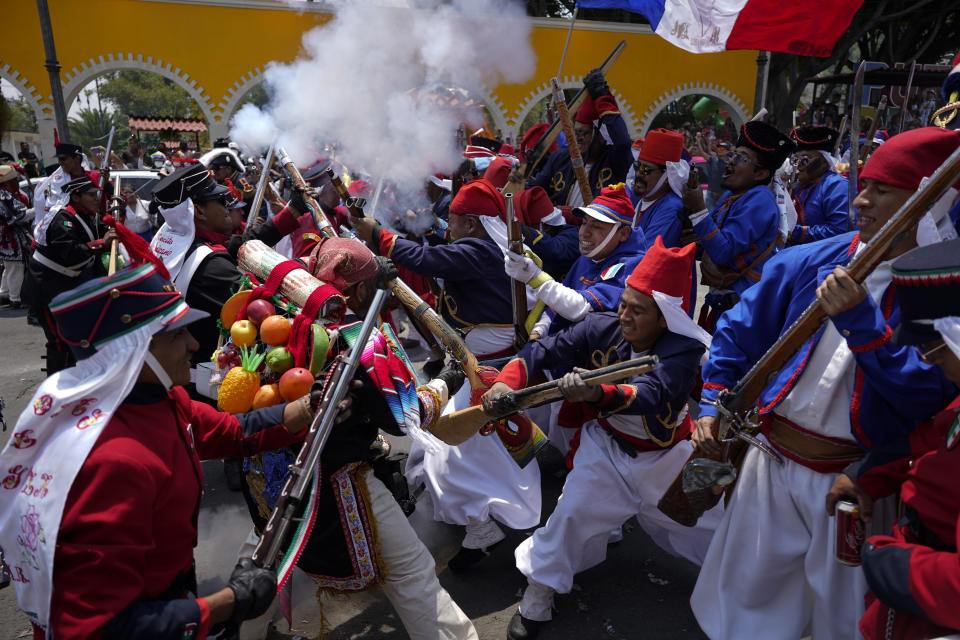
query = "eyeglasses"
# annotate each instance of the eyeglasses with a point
(925, 355)
(740, 157)
(643, 170)
(800, 161)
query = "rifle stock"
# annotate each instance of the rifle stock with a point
(540, 149)
(456, 428)
(745, 393)
(302, 471)
(318, 216)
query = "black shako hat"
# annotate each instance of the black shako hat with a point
(191, 181)
(65, 149)
(103, 309)
(226, 160)
(771, 145)
(810, 138)
(927, 285)
(80, 185)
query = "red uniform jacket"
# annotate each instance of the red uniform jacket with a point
(130, 520)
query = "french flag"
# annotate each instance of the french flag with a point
(802, 27)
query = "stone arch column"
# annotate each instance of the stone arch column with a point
(42, 108)
(735, 106)
(79, 76)
(543, 90)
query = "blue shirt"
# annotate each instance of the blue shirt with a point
(821, 208)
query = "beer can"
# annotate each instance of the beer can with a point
(851, 532)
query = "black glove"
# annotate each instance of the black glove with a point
(596, 84)
(386, 271)
(297, 201)
(253, 590)
(452, 374)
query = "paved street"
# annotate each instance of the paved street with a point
(638, 593)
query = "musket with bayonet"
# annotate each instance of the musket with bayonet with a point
(692, 492)
(539, 150)
(319, 217)
(868, 141)
(261, 186)
(303, 471)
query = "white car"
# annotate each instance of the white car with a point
(141, 179)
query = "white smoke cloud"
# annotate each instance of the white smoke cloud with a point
(360, 80)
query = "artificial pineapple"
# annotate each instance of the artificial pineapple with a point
(241, 384)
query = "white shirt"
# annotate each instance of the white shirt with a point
(820, 400)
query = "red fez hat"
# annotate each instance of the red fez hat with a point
(637, 144)
(907, 158)
(532, 137)
(587, 113)
(612, 205)
(479, 198)
(498, 171)
(661, 146)
(667, 270)
(532, 205)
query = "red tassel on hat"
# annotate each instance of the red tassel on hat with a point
(56, 137)
(137, 248)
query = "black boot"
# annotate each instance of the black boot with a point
(467, 558)
(521, 628)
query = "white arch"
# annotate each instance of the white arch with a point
(236, 94)
(738, 110)
(28, 91)
(78, 77)
(570, 82)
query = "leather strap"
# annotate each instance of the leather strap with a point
(802, 445)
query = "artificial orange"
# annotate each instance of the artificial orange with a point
(275, 330)
(230, 309)
(267, 396)
(295, 383)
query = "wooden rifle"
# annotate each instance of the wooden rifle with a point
(118, 207)
(539, 150)
(906, 97)
(458, 427)
(518, 291)
(840, 132)
(691, 492)
(573, 148)
(319, 217)
(302, 472)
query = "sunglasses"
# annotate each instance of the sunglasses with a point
(800, 161)
(925, 355)
(643, 170)
(736, 158)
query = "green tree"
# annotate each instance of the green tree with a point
(884, 30)
(144, 93)
(91, 127)
(22, 116)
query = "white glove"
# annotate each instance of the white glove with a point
(520, 267)
(567, 302)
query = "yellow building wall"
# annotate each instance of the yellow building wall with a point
(218, 49)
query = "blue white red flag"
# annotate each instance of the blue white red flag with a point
(803, 27)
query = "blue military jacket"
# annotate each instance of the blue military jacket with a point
(662, 219)
(657, 398)
(476, 289)
(557, 178)
(601, 283)
(821, 208)
(893, 388)
(741, 233)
